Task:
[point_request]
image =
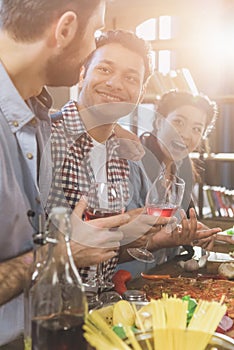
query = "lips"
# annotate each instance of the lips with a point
(110, 97)
(179, 146)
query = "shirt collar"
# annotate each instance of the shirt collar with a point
(74, 124)
(14, 108)
(72, 120)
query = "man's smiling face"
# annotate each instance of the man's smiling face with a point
(115, 75)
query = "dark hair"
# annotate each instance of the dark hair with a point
(174, 99)
(27, 20)
(128, 40)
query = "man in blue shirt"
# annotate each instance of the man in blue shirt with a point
(41, 43)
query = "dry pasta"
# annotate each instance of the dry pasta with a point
(169, 327)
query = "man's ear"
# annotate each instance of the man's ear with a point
(66, 29)
(81, 77)
(159, 120)
(142, 94)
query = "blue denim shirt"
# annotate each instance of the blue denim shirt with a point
(24, 133)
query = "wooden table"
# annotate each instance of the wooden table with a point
(174, 270)
(171, 268)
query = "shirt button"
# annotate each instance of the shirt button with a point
(38, 200)
(33, 122)
(29, 155)
(15, 123)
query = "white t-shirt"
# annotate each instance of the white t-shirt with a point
(98, 161)
(98, 164)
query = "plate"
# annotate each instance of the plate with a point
(219, 257)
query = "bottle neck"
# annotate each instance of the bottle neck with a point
(60, 255)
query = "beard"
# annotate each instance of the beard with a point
(62, 70)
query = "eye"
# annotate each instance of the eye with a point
(103, 69)
(132, 79)
(198, 130)
(178, 122)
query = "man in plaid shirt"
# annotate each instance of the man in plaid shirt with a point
(85, 144)
(85, 139)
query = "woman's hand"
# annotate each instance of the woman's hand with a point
(141, 226)
(190, 232)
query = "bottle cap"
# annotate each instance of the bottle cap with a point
(134, 295)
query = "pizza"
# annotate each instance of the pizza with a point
(205, 289)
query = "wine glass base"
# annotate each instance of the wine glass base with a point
(141, 254)
(93, 300)
(90, 283)
(99, 283)
(105, 285)
(109, 297)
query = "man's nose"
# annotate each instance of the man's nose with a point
(115, 82)
(186, 132)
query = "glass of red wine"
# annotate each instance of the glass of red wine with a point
(104, 199)
(163, 199)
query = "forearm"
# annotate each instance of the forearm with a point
(13, 275)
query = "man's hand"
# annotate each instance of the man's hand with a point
(97, 240)
(137, 231)
(87, 256)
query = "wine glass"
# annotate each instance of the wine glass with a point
(163, 199)
(104, 199)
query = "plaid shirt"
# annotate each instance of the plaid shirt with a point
(72, 171)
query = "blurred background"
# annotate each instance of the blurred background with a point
(192, 48)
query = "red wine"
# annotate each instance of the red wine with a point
(91, 214)
(60, 332)
(165, 211)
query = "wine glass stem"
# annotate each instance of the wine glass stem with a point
(147, 243)
(100, 280)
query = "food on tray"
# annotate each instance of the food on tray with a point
(227, 270)
(169, 328)
(106, 314)
(206, 289)
(144, 317)
(230, 231)
(123, 313)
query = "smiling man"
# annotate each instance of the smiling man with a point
(85, 141)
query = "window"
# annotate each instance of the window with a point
(158, 29)
(148, 30)
(165, 28)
